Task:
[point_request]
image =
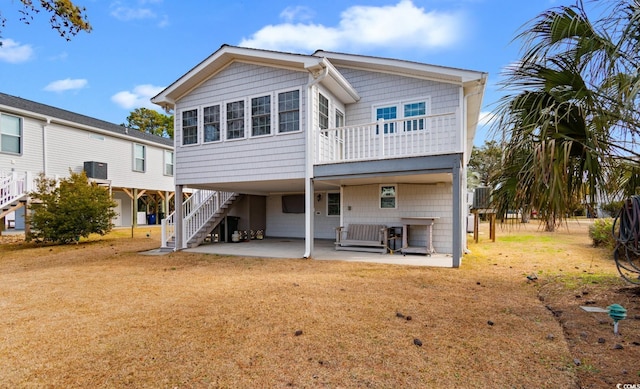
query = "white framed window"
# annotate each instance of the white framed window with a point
(339, 119)
(289, 111)
(261, 115)
(386, 113)
(139, 157)
(168, 163)
(235, 119)
(414, 109)
(189, 122)
(211, 123)
(323, 112)
(402, 110)
(10, 134)
(388, 197)
(333, 204)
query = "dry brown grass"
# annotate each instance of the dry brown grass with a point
(99, 314)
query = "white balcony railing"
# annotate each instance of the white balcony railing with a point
(385, 139)
(14, 186)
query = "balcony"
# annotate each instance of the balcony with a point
(387, 139)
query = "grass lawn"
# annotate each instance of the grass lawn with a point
(99, 314)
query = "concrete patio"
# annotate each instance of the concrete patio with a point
(324, 250)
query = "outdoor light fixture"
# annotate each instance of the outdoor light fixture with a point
(319, 197)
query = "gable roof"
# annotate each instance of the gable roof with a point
(24, 107)
(227, 54)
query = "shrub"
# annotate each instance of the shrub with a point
(600, 233)
(69, 209)
(612, 208)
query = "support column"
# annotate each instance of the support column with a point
(457, 213)
(134, 207)
(178, 216)
(309, 211)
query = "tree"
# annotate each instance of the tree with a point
(69, 209)
(485, 163)
(150, 121)
(571, 112)
(66, 17)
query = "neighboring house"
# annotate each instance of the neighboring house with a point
(37, 138)
(301, 144)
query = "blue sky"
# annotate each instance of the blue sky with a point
(138, 47)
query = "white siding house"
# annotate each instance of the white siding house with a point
(36, 138)
(314, 142)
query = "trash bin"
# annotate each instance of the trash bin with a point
(233, 226)
(151, 218)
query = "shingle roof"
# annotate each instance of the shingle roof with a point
(61, 114)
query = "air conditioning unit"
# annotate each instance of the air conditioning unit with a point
(96, 170)
(482, 198)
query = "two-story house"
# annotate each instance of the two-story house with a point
(302, 144)
(37, 138)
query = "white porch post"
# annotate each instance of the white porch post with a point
(457, 213)
(178, 216)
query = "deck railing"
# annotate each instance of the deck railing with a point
(14, 186)
(197, 210)
(385, 139)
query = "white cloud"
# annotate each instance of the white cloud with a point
(66, 84)
(126, 13)
(138, 98)
(13, 52)
(138, 11)
(300, 13)
(486, 118)
(402, 25)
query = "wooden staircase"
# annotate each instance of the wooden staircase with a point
(204, 211)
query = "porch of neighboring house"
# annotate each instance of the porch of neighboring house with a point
(324, 250)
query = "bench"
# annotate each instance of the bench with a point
(362, 237)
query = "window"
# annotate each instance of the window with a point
(289, 111)
(387, 113)
(339, 119)
(168, 163)
(333, 204)
(414, 109)
(235, 120)
(323, 112)
(10, 134)
(139, 153)
(190, 127)
(387, 196)
(211, 117)
(261, 116)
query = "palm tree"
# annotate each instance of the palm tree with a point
(570, 112)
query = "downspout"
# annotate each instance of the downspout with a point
(44, 146)
(309, 161)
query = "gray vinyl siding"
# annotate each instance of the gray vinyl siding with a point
(31, 157)
(275, 156)
(291, 225)
(69, 148)
(413, 200)
(375, 88)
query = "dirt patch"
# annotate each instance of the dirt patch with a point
(100, 314)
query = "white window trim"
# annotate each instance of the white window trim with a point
(300, 115)
(201, 122)
(272, 107)
(400, 111)
(198, 127)
(327, 204)
(247, 112)
(21, 140)
(173, 163)
(380, 195)
(144, 148)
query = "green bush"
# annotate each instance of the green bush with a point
(72, 208)
(612, 208)
(600, 233)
